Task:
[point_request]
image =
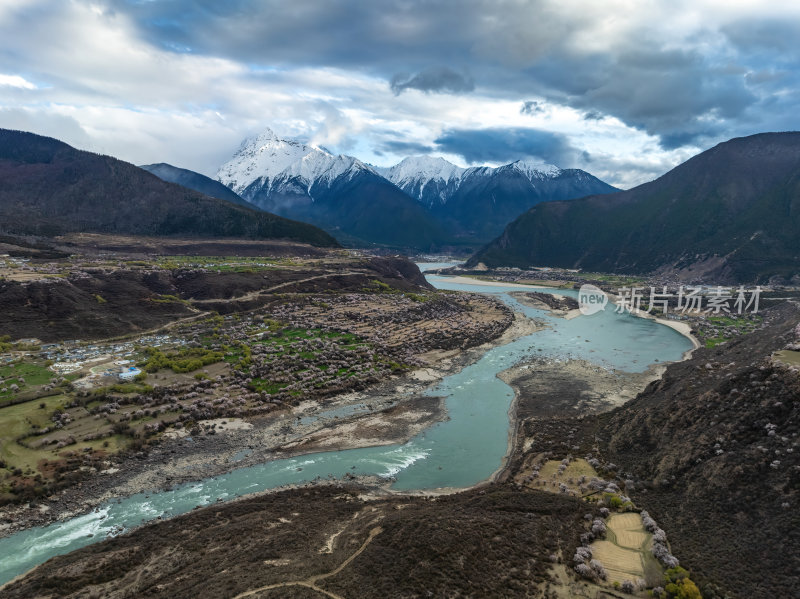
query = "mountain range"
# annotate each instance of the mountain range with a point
(48, 188)
(340, 193)
(422, 202)
(478, 202)
(731, 213)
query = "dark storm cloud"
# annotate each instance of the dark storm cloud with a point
(506, 145)
(681, 89)
(433, 79)
(405, 147)
(387, 37)
(754, 35)
(675, 95)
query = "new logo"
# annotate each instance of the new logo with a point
(591, 299)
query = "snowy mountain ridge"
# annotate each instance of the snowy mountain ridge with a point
(338, 193)
(415, 173)
(536, 170)
(273, 162)
(420, 202)
(276, 162)
(425, 167)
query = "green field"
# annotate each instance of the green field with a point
(612, 279)
(33, 374)
(224, 263)
(19, 421)
(719, 329)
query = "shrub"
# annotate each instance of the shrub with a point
(662, 554)
(121, 428)
(598, 569)
(627, 586)
(585, 571)
(683, 589)
(599, 528)
(185, 360)
(676, 574)
(582, 554)
(679, 585)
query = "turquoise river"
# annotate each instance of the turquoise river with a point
(461, 451)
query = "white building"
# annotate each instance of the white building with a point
(128, 375)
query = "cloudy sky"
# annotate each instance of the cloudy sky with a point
(625, 89)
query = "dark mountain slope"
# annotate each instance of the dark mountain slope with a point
(485, 203)
(360, 207)
(714, 448)
(731, 213)
(475, 204)
(196, 181)
(490, 542)
(133, 300)
(48, 188)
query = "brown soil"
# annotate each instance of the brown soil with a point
(551, 388)
(148, 246)
(695, 449)
(100, 302)
(279, 545)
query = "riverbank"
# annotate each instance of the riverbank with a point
(522, 326)
(683, 328)
(547, 388)
(553, 388)
(464, 280)
(390, 412)
(562, 306)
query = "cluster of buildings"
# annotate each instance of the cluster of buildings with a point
(71, 356)
(103, 360)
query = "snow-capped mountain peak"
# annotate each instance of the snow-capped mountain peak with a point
(427, 179)
(420, 200)
(323, 166)
(536, 170)
(433, 180)
(274, 160)
(422, 168)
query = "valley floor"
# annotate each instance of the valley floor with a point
(260, 358)
(385, 413)
(348, 539)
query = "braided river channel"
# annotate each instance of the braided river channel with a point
(463, 450)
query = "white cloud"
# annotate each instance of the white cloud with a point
(16, 81)
(106, 84)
